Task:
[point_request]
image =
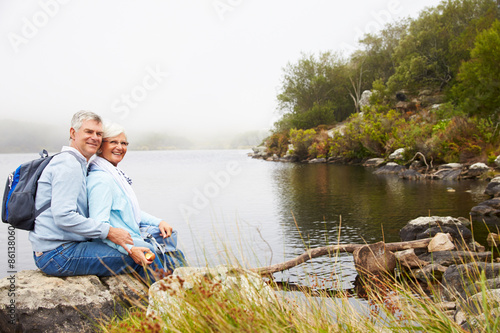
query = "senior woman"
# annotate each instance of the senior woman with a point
(112, 200)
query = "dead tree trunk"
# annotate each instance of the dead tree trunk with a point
(332, 249)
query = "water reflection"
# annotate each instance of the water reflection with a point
(315, 200)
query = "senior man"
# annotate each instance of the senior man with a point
(62, 237)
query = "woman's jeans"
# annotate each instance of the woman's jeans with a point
(88, 258)
(168, 253)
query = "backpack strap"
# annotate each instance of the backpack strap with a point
(47, 205)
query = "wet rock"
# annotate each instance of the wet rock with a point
(390, 168)
(374, 162)
(471, 313)
(493, 203)
(289, 158)
(411, 174)
(448, 258)
(431, 272)
(429, 226)
(317, 160)
(450, 166)
(409, 259)
(459, 280)
(484, 210)
(493, 187)
(259, 152)
(447, 174)
(476, 170)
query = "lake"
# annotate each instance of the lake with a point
(227, 206)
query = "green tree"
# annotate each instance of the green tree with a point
(478, 89)
(430, 54)
(314, 91)
(376, 52)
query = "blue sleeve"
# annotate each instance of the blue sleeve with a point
(100, 197)
(67, 182)
(149, 219)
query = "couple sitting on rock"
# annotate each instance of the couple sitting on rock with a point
(94, 224)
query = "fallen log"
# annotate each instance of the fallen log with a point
(332, 249)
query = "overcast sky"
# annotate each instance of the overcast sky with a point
(180, 66)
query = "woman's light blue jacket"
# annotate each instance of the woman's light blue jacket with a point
(109, 204)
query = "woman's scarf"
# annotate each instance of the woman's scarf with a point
(123, 181)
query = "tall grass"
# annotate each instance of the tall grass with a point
(383, 304)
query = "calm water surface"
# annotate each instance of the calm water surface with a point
(227, 206)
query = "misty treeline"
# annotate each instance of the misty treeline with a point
(452, 49)
(28, 137)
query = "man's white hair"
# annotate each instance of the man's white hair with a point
(81, 116)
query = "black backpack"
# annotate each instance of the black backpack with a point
(18, 205)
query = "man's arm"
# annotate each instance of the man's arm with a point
(68, 186)
(120, 237)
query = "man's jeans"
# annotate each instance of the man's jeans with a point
(84, 258)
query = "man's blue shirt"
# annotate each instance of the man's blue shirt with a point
(64, 182)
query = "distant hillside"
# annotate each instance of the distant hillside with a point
(27, 137)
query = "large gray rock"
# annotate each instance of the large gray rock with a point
(398, 154)
(460, 281)
(259, 152)
(63, 304)
(169, 294)
(488, 207)
(374, 162)
(493, 187)
(470, 314)
(484, 210)
(429, 226)
(365, 98)
(411, 174)
(390, 168)
(475, 170)
(448, 258)
(429, 273)
(447, 174)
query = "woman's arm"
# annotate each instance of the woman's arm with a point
(100, 199)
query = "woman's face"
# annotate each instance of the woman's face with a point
(114, 148)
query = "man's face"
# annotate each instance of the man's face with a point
(88, 138)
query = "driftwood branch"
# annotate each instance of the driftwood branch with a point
(332, 249)
(425, 161)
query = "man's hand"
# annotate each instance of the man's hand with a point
(165, 229)
(137, 254)
(120, 237)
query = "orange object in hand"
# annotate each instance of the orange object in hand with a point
(150, 256)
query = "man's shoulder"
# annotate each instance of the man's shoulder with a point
(66, 159)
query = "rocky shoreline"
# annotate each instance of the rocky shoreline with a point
(417, 169)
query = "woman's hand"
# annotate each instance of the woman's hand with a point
(137, 253)
(165, 229)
